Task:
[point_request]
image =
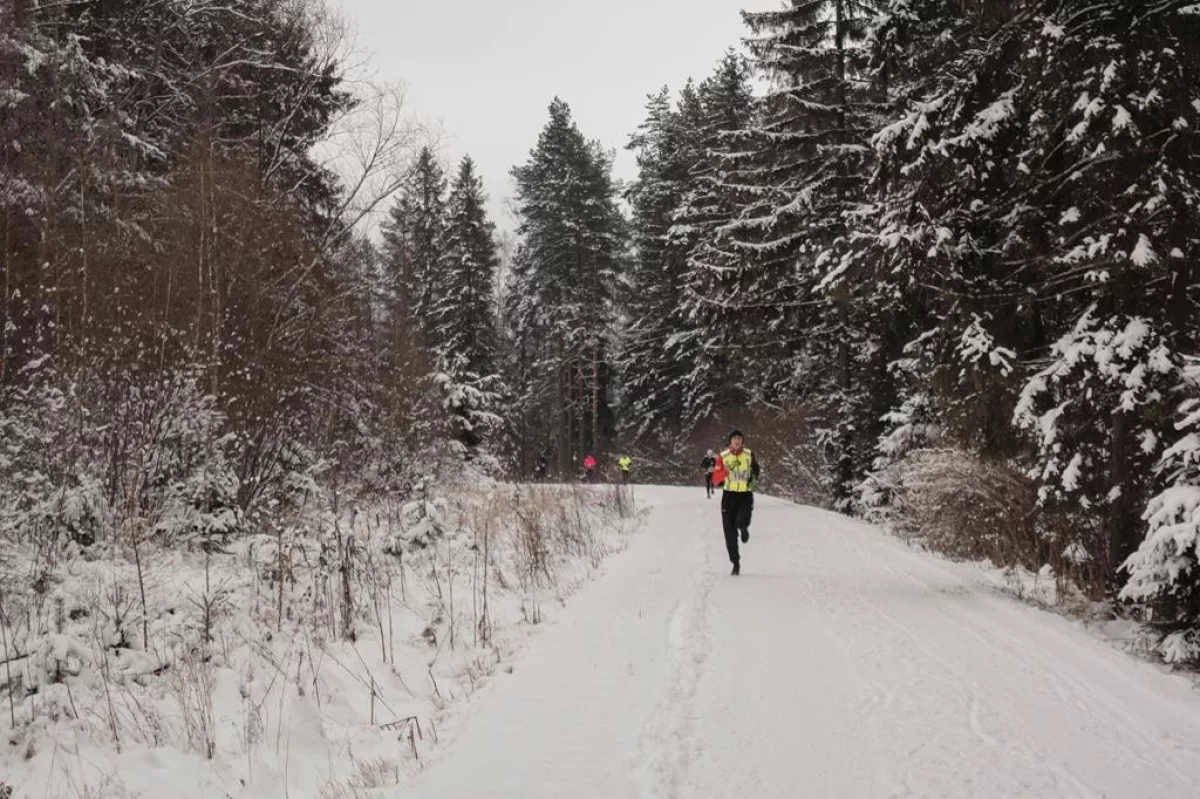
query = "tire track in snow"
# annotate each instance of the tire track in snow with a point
(840, 665)
(961, 680)
(1106, 709)
(1103, 708)
(668, 741)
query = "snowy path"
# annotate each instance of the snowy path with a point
(839, 665)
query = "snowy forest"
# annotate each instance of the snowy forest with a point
(937, 257)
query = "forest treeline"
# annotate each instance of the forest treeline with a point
(937, 257)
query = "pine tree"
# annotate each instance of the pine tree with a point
(156, 121)
(572, 250)
(49, 136)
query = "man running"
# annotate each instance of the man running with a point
(709, 464)
(624, 463)
(737, 472)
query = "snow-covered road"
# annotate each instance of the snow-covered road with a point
(839, 665)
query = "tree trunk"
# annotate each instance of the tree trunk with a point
(845, 464)
(578, 392)
(595, 393)
(1121, 521)
(6, 318)
(564, 418)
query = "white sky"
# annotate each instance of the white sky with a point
(487, 71)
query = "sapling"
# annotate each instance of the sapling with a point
(8, 659)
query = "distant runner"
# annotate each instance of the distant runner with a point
(625, 462)
(708, 464)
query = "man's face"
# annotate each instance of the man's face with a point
(736, 442)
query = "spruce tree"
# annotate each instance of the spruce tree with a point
(1164, 572)
(524, 342)
(669, 148)
(1109, 186)
(463, 314)
(790, 249)
(396, 264)
(937, 210)
(572, 250)
(710, 340)
(414, 239)
(1038, 213)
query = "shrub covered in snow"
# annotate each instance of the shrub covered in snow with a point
(965, 507)
(471, 402)
(91, 457)
(910, 427)
(326, 630)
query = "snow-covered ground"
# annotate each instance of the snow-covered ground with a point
(841, 664)
(271, 705)
(527, 646)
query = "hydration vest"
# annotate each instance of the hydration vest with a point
(735, 469)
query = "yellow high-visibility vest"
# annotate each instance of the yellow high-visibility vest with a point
(625, 463)
(737, 470)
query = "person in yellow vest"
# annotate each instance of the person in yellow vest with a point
(625, 462)
(737, 472)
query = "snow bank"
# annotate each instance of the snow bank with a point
(322, 660)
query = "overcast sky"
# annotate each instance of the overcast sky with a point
(487, 71)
